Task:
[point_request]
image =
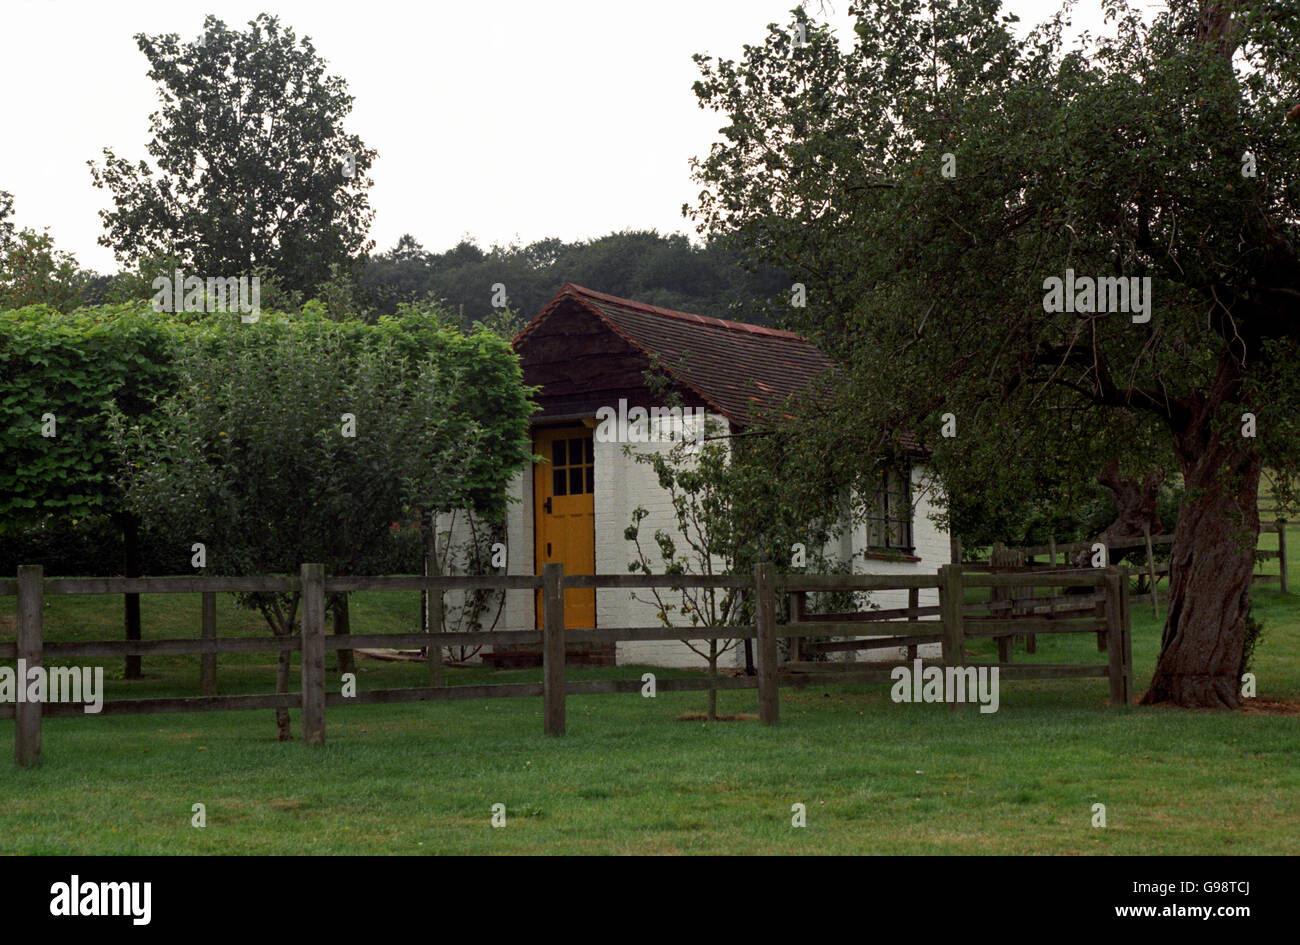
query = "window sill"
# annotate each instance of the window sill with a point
(901, 556)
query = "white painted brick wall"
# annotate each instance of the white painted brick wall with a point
(621, 485)
(520, 610)
(455, 529)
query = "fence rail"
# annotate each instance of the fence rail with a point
(957, 622)
(1003, 559)
(1001, 618)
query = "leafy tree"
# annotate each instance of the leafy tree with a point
(33, 271)
(927, 183)
(729, 512)
(303, 439)
(61, 376)
(400, 275)
(694, 493)
(250, 160)
(638, 264)
(6, 225)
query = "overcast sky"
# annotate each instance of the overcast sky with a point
(598, 91)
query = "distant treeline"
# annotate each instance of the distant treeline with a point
(660, 270)
(639, 264)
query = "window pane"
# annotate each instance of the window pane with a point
(575, 480)
(557, 482)
(557, 453)
(575, 452)
(591, 478)
(591, 450)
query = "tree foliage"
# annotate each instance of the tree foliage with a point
(640, 264)
(6, 224)
(292, 440)
(1127, 157)
(33, 271)
(61, 378)
(250, 160)
(307, 440)
(728, 512)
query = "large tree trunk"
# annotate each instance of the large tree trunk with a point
(1211, 563)
(1135, 501)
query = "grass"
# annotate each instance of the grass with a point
(876, 777)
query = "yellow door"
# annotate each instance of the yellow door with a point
(565, 514)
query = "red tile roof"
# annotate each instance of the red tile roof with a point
(733, 366)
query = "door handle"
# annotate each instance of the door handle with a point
(548, 549)
(547, 505)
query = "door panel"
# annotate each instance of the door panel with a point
(564, 509)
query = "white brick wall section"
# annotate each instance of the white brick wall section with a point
(456, 529)
(520, 613)
(622, 484)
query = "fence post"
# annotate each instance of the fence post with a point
(347, 661)
(31, 651)
(131, 602)
(1127, 635)
(769, 694)
(997, 559)
(553, 648)
(208, 661)
(1102, 609)
(798, 609)
(1053, 592)
(1151, 570)
(1281, 553)
(313, 654)
(951, 603)
(1012, 558)
(433, 604)
(1114, 609)
(913, 602)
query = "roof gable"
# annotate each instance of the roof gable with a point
(734, 368)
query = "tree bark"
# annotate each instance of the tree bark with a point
(713, 678)
(282, 685)
(1135, 501)
(1211, 562)
(282, 624)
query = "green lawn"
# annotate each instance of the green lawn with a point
(876, 777)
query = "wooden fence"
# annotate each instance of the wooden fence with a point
(1012, 610)
(1002, 558)
(958, 622)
